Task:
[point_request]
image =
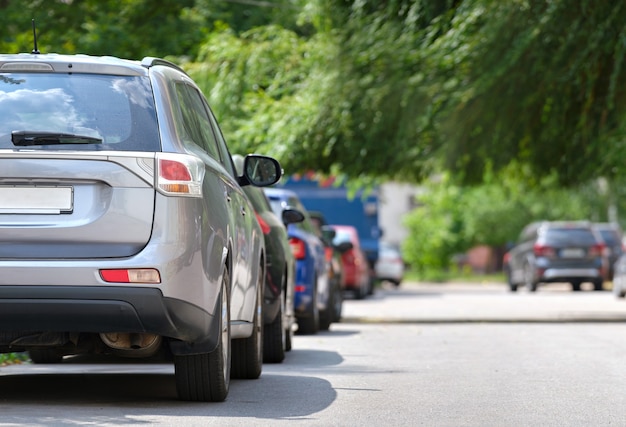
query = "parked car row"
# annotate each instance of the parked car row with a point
(564, 251)
(128, 228)
(318, 299)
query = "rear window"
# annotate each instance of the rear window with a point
(342, 237)
(569, 236)
(119, 110)
(610, 237)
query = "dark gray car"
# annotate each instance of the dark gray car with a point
(557, 251)
(124, 228)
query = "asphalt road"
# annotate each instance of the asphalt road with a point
(421, 355)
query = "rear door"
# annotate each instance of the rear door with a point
(74, 205)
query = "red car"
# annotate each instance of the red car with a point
(356, 270)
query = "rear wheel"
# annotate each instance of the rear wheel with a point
(289, 332)
(509, 280)
(529, 279)
(326, 315)
(247, 361)
(308, 323)
(576, 286)
(598, 285)
(338, 303)
(206, 376)
(274, 338)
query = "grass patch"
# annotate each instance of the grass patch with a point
(13, 358)
(441, 276)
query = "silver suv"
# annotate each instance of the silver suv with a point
(557, 251)
(124, 229)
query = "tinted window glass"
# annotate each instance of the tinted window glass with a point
(569, 236)
(277, 206)
(342, 237)
(610, 237)
(258, 199)
(119, 110)
(196, 120)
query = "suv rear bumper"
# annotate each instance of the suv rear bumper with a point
(566, 274)
(32, 309)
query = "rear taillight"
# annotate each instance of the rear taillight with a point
(131, 275)
(599, 249)
(297, 248)
(179, 175)
(544, 251)
(328, 252)
(264, 225)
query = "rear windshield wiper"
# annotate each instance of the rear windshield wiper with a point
(25, 137)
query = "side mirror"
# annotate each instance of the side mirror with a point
(328, 234)
(291, 216)
(260, 171)
(344, 246)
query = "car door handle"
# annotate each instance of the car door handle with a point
(243, 211)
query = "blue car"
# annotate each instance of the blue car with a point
(317, 301)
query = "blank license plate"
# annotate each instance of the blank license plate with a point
(36, 200)
(572, 253)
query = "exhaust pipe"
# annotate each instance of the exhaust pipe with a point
(132, 344)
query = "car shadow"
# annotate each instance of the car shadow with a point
(124, 393)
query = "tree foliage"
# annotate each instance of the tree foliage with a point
(386, 89)
(536, 81)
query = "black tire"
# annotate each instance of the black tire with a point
(598, 285)
(338, 303)
(205, 377)
(247, 360)
(529, 282)
(360, 293)
(576, 286)
(509, 281)
(289, 339)
(288, 331)
(371, 285)
(309, 323)
(274, 339)
(45, 356)
(326, 315)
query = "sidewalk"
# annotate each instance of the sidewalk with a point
(493, 302)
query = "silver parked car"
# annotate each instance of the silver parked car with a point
(124, 228)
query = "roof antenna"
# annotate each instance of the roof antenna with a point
(35, 50)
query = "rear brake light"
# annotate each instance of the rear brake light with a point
(328, 252)
(544, 251)
(297, 248)
(598, 249)
(264, 225)
(173, 171)
(134, 275)
(180, 175)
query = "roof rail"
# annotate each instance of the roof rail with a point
(150, 61)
